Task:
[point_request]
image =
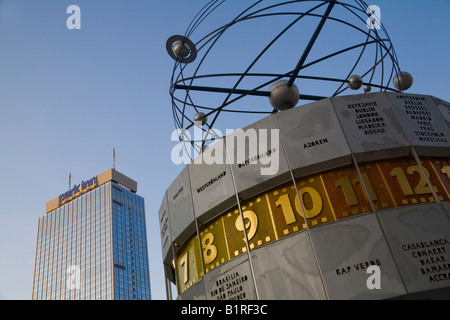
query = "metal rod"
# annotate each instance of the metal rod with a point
(243, 92)
(224, 90)
(311, 43)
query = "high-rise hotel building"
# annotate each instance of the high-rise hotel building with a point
(92, 243)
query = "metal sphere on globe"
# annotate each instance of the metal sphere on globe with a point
(355, 82)
(403, 81)
(282, 96)
(200, 117)
(180, 49)
(367, 88)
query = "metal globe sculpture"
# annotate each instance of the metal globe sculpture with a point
(229, 62)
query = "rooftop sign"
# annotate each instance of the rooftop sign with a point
(78, 190)
(86, 186)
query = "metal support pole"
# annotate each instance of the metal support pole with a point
(311, 43)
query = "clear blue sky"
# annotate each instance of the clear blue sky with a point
(68, 97)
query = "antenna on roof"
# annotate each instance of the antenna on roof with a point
(114, 158)
(69, 180)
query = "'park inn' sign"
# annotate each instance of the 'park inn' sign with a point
(78, 190)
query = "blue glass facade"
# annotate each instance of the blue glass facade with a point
(131, 277)
(93, 248)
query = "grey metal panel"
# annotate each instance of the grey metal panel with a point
(313, 138)
(258, 161)
(446, 206)
(345, 249)
(423, 123)
(124, 180)
(164, 228)
(194, 292)
(287, 270)
(372, 129)
(212, 186)
(181, 210)
(419, 236)
(169, 271)
(231, 281)
(444, 108)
